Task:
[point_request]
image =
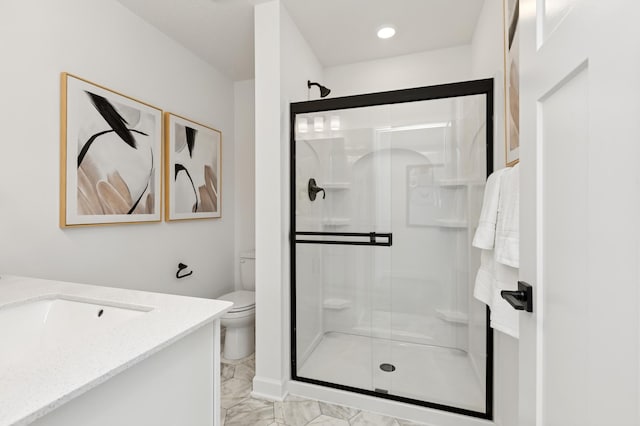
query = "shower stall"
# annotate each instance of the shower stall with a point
(386, 191)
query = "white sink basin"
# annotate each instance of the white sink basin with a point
(32, 328)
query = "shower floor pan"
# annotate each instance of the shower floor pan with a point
(422, 372)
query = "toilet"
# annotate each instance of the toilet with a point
(240, 321)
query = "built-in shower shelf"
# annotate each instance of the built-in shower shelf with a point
(450, 223)
(452, 316)
(336, 186)
(336, 221)
(458, 182)
(336, 304)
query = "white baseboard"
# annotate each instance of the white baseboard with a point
(269, 389)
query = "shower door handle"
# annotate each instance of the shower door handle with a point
(347, 238)
(521, 299)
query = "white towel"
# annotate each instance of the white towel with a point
(498, 236)
(483, 290)
(503, 316)
(484, 237)
(507, 245)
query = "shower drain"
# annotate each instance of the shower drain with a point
(387, 368)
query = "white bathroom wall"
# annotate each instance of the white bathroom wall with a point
(245, 175)
(487, 62)
(269, 210)
(401, 72)
(284, 63)
(105, 43)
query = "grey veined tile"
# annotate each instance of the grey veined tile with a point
(223, 414)
(243, 371)
(328, 421)
(338, 411)
(278, 411)
(299, 412)
(226, 371)
(253, 418)
(250, 412)
(251, 404)
(250, 362)
(371, 419)
(234, 391)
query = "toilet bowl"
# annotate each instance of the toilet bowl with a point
(240, 320)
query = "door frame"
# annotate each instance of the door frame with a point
(451, 90)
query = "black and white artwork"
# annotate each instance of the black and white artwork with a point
(193, 169)
(112, 148)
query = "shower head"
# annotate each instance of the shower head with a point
(323, 90)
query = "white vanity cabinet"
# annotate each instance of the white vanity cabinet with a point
(159, 366)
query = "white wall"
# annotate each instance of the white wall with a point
(284, 63)
(105, 43)
(401, 72)
(487, 61)
(269, 211)
(245, 175)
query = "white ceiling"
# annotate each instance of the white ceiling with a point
(339, 31)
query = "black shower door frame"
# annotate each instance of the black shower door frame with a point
(452, 90)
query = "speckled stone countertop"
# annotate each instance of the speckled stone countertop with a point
(35, 387)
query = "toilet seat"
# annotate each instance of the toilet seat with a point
(242, 301)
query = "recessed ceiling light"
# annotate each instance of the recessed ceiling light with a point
(386, 32)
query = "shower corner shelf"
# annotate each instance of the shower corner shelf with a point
(336, 304)
(457, 183)
(336, 221)
(455, 317)
(451, 223)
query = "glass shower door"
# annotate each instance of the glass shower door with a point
(343, 255)
(385, 201)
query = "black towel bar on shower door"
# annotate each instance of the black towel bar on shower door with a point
(371, 238)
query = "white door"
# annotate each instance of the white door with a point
(580, 215)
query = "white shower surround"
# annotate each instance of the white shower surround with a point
(353, 292)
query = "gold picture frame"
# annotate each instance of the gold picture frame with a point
(110, 156)
(511, 16)
(193, 164)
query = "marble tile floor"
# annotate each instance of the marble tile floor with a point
(238, 408)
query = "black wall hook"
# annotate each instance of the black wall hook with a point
(181, 267)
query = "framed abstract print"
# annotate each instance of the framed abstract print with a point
(193, 169)
(512, 80)
(111, 156)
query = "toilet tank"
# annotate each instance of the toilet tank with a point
(248, 270)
